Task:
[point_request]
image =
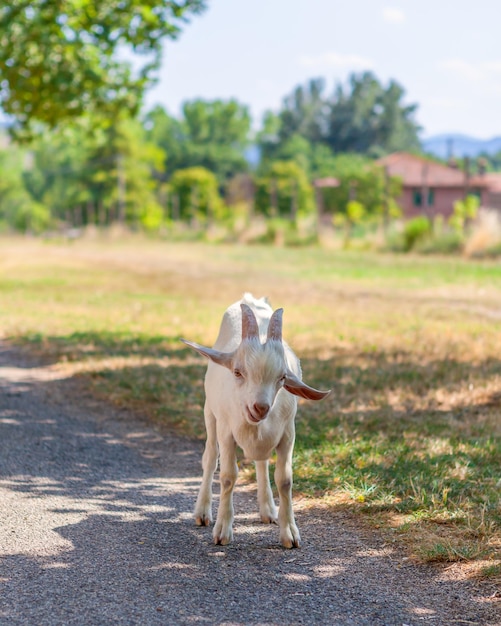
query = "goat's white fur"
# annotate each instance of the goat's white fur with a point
(251, 382)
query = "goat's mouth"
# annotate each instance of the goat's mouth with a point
(252, 418)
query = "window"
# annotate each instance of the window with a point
(417, 197)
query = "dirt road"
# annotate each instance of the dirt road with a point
(96, 528)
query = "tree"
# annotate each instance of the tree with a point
(61, 59)
(369, 119)
(211, 134)
(304, 112)
(168, 134)
(194, 195)
(17, 208)
(105, 172)
(363, 117)
(284, 191)
(361, 180)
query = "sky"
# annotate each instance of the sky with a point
(446, 54)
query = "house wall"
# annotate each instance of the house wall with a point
(443, 201)
(493, 200)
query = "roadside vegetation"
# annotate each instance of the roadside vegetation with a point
(410, 438)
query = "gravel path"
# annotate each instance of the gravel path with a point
(96, 528)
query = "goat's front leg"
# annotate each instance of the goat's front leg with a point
(203, 507)
(289, 533)
(223, 529)
(267, 508)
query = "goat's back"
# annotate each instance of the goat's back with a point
(230, 333)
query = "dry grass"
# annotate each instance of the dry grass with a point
(410, 438)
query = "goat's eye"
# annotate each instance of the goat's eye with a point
(282, 379)
(237, 374)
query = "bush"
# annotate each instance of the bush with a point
(447, 242)
(464, 210)
(195, 189)
(31, 216)
(284, 191)
(415, 230)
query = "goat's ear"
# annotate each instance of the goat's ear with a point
(296, 386)
(222, 358)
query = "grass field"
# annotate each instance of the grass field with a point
(410, 438)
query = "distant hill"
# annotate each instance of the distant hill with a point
(460, 145)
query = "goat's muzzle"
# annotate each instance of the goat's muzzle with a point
(258, 412)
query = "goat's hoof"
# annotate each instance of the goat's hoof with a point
(203, 520)
(291, 538)
(222, 534)
(222, 541)
(268, 519)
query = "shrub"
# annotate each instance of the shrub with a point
(415, 230)
(446, 242)
(466, 209)
(284, 191)
(195, 189)
(31, 216)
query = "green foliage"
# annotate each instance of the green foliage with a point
(464, 210)
(194, 195)
(416, 230)
(63, 59)
(369, 119)
(355, 212)
(210, 134)
(31, 217)
(364, 117)
(303, 112)
(361, 180)
(284, 191)
(17, 208)
(95, 170)
(151, 216)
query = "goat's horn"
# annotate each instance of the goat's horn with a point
(250, 329)
(275, 325)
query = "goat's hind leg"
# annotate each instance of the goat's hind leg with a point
(203, 507)
(267, 508)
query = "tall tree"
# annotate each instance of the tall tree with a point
(304, 112)
(61, 59)
(17, 208)
(369, 119)
(363, 117)
(211, 134)
(105, 171)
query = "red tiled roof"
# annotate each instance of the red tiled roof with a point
(492, 180)
(416, 171)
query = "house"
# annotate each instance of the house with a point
(430, 188)
(493, 199)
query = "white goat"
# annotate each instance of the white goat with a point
(250, 386)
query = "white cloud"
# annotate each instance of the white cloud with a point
(462, 68)
(493, 66)
(472, 72)
(336, 60)
(393, 15)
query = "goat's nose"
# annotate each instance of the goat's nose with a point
(261, 409)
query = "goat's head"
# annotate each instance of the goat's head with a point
(259, 369)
